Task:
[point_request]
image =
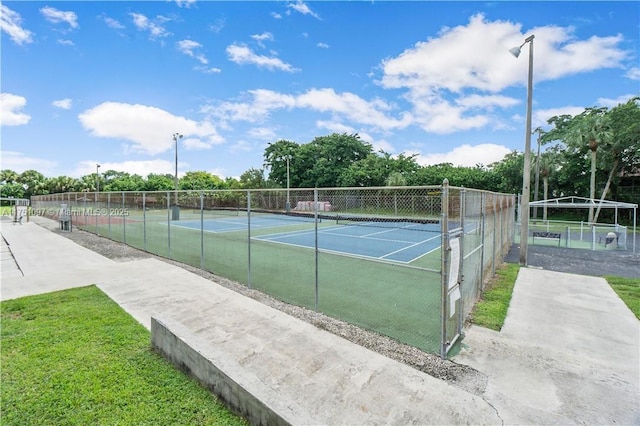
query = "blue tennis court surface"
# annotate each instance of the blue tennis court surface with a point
(394, 241)
(394, 244)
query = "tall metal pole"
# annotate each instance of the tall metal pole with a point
(526, 178)
(176, 136)
(175, 212)
(97, 177)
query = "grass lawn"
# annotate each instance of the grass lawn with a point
(629, 291)
(75, 357)
(491, 309)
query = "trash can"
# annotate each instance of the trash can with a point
(175, 212)
(64, 216)
(611, 242)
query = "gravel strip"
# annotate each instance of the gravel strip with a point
(458, 375)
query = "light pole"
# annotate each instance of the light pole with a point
(175, 213)
(526, 179)
(97, 177)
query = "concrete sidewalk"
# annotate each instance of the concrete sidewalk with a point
(311, 376)
(568, 352)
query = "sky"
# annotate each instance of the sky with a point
(110, 82)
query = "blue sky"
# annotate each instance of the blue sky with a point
(110, 82)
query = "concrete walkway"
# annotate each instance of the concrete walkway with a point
(568, 352)
(311, 376)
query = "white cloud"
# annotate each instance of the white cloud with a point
(243, 55)
(262, 37)
(185, 3)
(112, 23)
(276, 15)
(10, 23)
(540, 116)
(63, 103)
(18, 162)
(206, 70)
(241, 146)
(66, 42)
(610, 103)
(56, 16)
(262, 133)
(218, 25)
(155, 29)
(633, 73)
(465, 155)
(10, 106)
(188, 46)
(323, 45)
(302, 8)
(195, 144)
(147, 129)
(439, 74)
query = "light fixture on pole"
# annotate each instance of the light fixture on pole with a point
(526, 179)
(97, 177)
(175, 212)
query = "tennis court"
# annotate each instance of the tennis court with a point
(397, 241)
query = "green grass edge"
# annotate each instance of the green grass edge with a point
(76, 357)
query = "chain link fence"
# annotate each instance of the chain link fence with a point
(406, 262)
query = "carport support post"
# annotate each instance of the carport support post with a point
(444, 267)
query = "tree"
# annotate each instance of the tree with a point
(121, 181)
(252, 179)
(374, 170)
(624, 148)
(155, 182)
(200, 181)
(8, 176)
(33, 182)
(62, 184)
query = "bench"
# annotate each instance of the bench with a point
(547, 236)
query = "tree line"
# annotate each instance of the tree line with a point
(594, 154)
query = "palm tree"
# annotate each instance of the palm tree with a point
(589, 130)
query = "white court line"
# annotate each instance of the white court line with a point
(406, 248)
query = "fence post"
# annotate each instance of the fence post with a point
(202, 230)
(124, 218)
(109, 213)
(463, 212)
(249, 237)
(169, 223)
(144, 220)
(315, 217)
(482, 225)
(444, 266)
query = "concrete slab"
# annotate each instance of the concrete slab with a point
(568, 353)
